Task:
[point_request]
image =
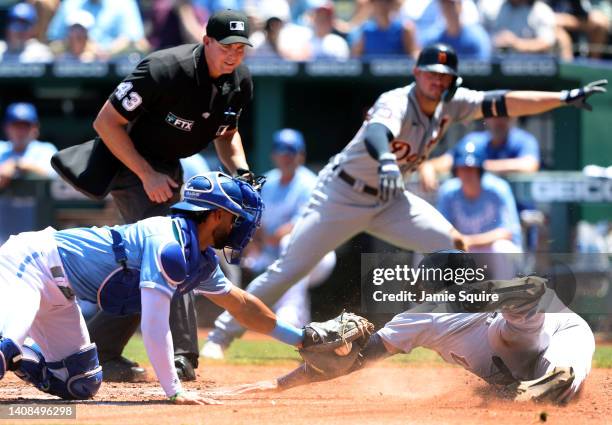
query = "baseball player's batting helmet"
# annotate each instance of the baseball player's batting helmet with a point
(210, 191)
(441, 58)
(467, 154)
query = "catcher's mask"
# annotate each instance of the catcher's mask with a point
(213, 190)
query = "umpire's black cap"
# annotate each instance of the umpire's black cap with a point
(228, 27)
(439, 58)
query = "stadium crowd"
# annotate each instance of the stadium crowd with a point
(304, 30)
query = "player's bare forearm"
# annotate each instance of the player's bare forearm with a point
(527, 164)
(519, 103)
(111, 127)
(531, 45)
(247, 309)
(488, 238)
(231, 152)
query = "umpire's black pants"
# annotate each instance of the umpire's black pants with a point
(112, 333)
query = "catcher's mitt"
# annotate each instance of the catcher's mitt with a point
(331, 348)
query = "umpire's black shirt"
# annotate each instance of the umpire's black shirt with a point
(174, 107)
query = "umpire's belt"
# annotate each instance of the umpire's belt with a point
(358, 185)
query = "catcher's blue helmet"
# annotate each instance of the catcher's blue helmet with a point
(213, 190)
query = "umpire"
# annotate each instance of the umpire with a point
(173, 105)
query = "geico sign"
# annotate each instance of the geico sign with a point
(587, 190)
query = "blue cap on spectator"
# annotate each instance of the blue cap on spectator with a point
(21, 111)
(288, 141)
(22, 17)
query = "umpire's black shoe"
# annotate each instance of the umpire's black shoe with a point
(121, 369)
(184, 368)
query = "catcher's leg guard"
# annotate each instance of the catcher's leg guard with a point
(82, 370)
(548, 387)
(10, 355)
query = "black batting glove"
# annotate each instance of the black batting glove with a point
(248, 176)
(390, 180)
(578, 97)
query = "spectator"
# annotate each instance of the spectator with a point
(524, 26)
(507, 149)
(580, 16)
(45, 9)
(117, 24)
(385, 34)
(489, 9)
(428, 19)
(76, 46)
(20, 44)
(469, 41)
(269, 46)
(172, 22)
(480, 205)
(299, 10)
(280, 38)
(22, 153)
(323, 43)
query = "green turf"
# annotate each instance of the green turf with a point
(272, 352)
(603, 357)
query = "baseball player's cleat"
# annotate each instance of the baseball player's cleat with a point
(184, 368)
(551, 386)
(515, 294)
(213, 351)
(123, 370)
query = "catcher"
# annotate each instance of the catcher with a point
(136, 268)
(527, 353)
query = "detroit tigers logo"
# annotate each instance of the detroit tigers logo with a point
(442, 57)
(402, 150)
(180, 123)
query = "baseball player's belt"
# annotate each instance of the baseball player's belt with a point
(358, 185)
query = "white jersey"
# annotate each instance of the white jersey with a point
(415, 134)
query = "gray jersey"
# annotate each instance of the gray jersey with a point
(415, 134)
(471, 340)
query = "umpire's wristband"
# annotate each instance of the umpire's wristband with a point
(287, 333)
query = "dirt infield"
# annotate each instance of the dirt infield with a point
(382, 395)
